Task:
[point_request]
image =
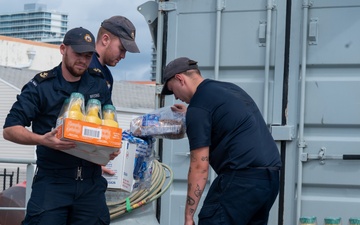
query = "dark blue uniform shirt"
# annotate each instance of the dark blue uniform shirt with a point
(224, 117)
(39, 105)
(95, 63)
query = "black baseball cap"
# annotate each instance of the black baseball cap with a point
(122, 28)
(174, 67)
(81, 40)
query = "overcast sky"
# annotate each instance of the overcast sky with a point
(89, 14)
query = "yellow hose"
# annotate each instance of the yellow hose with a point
(161, 172)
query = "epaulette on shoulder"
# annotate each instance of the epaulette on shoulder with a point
(96, 72)
(40, 77)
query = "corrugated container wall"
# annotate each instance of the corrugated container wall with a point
(299, 60)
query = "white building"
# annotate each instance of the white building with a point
(35, 23)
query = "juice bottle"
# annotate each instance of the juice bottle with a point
(109, 116)
(93, 111)
(76, 107)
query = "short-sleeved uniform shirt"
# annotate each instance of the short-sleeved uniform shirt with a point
(40, 103)
(95, 63)
(224, 117)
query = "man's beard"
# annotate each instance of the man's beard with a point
(74, 72)
(70, 66)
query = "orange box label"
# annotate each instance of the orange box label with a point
(90, 133)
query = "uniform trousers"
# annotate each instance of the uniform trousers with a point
(242, 197)
(62, 197)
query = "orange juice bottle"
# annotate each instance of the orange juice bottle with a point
(93, 111)
(109, 116)
(76, 107)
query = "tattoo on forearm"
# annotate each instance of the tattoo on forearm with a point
(190, 200)
(198, 191)
(193, 159)
(205, 158)
(192, 211)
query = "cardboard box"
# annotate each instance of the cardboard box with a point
(94, 142)
(123, 166)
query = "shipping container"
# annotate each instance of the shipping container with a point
(300, 61)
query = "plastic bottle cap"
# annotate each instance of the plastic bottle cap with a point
(94, 101)
(109, 107)
(76, 95)
(308, 220)
(332, 220)
(354, 221)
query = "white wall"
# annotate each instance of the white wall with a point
(14, 53)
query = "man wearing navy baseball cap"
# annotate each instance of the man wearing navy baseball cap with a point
(123, 28)
(116, 37)
(179, 65)
(226, 131)
(81, 40)
(66, 189)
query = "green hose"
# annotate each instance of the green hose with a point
(161, 172)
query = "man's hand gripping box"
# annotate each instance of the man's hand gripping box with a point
(94, 142)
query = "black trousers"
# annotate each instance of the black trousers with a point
(242, 197)
(69, 197)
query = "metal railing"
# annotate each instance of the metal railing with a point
(9, 177)
(30, 169)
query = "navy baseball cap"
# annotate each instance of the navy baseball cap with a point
(122, 28)
(81, 40)
(174, 67)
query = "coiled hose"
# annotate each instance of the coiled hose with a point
(161, 172)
